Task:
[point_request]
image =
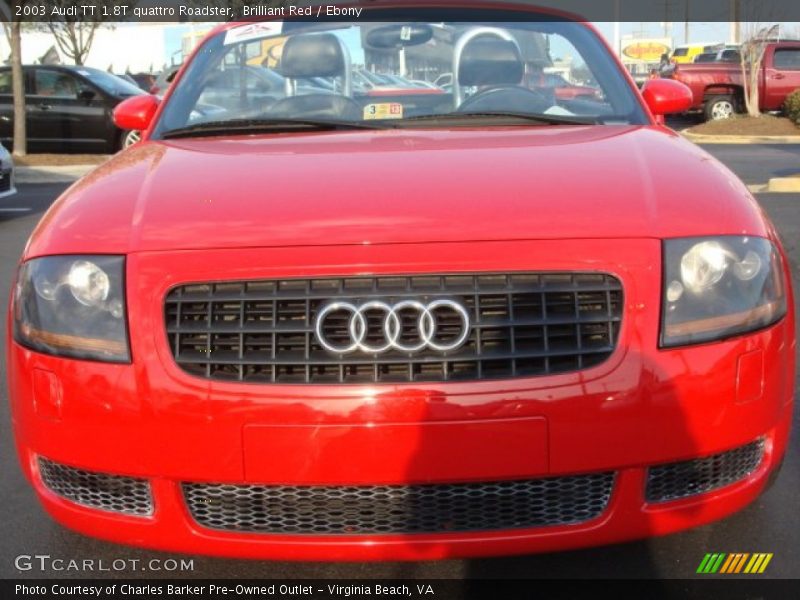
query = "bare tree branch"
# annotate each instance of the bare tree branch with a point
(74, 33)
(752, 56)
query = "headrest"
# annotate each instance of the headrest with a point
(312, 55)
(490, 61)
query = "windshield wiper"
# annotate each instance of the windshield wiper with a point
(240, 126)
(511, 117)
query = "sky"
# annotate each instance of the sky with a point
(698, 32)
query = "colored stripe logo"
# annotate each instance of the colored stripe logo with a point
(737, 562)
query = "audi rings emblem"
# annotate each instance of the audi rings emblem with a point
(392, 329)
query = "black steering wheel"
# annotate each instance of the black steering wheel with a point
(506, 99)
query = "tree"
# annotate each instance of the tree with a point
(752, 55)
(74, 31)
(74, 39)
(13, 32)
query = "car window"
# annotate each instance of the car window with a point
(235, 88)
(109, 82)
(553, 80)
(54, 84)
(680, 52)
(232, 73)
(5, 82)
(787, 58)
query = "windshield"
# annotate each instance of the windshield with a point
(400, 74)
(112, 84)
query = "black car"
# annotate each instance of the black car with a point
(144, 80)
(68, 108)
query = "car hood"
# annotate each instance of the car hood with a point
(399, 186)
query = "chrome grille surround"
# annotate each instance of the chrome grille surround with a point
(520, 325)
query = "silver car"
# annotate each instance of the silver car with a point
(6, 173)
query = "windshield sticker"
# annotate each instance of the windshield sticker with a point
(386, 110)
(252, 31)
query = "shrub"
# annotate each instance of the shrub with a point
(792, 106)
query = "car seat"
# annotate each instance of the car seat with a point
(495, 66)
(315, 55)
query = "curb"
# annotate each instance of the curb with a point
(784, 184)
(699, 138)
(65, 174)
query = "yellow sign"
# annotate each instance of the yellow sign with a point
(386, 110)
(647, 51)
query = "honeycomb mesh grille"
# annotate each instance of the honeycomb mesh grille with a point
(691, 477)
(428, 508)
(521, 325)
(98, 490)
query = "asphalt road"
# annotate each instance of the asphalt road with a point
(771, 524)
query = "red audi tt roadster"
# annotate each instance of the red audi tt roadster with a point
(306, 322)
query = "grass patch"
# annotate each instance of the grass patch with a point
(59, 160)
(744, 125)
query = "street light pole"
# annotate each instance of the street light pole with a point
(735, 25)
(686, 24)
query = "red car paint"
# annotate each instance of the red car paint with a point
(643, 406)
(571, 92)
(399, 92)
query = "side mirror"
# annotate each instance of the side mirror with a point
(86, 95)
(666, 96)
(136, 112)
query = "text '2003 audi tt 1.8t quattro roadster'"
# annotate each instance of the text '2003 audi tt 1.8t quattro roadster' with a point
(482, 319)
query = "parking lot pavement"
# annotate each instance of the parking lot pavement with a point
(771, 160)
(771, 524)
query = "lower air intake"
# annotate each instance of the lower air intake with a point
(390, 509)
(112, 493)
(691, 477)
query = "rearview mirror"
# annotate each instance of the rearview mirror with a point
(666, 96)
(399, 35)
(136, 112)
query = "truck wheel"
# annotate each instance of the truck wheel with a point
(720, 107)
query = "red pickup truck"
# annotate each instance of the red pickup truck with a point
(717, 86)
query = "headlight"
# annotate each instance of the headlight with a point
(719, 287)
(73, 306)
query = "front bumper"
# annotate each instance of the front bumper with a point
(642, 407)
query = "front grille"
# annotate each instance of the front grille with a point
(682, 479)
(5, 181)
(521, 325)
(113, 493)
(387, 509)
